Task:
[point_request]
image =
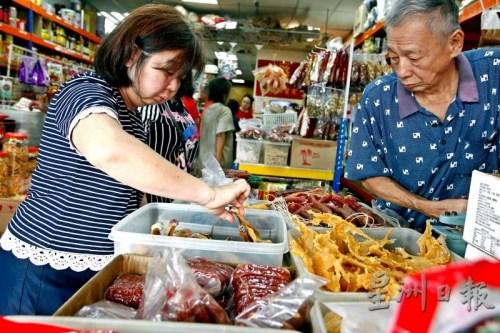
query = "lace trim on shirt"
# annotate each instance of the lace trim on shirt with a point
(56, 259)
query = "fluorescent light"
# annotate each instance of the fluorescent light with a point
(310, 40)
(238, 81)
(211, 69)
(220, 55)
(230, 25)
(109, 17)
(118, 16)
(206, 2)
(220, 42)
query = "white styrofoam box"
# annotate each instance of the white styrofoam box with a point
(405, 238)
(132, 234)
(248, 150)
(276, 153)
(134, 326)
(356, 317)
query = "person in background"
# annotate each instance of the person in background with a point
(234, 106)
(217, 126)
(190, 104)
(246, 108)
(420, 132)
(94, 165)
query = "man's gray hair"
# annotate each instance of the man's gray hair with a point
(442, 15)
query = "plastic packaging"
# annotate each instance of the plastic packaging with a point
(212, 173)
(108, 310)
(286, 308)
(212, 276)
(248, 151)
(171, 293)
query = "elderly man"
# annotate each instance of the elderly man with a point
(419, 133)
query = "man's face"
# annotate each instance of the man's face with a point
(417, 55)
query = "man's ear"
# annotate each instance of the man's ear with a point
(133, 58)
(456, 42)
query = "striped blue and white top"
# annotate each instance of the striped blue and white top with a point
(72, 206)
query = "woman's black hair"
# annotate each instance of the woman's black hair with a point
(218, 90)
(149, 29)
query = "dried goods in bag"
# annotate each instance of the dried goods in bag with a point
(171, 293)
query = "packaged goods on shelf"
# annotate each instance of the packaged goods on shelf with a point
(247, 150)
(276, 153)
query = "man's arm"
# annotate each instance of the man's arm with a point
(389, 190)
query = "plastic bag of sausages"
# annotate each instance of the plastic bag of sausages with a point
(285, 309)
(171, 293)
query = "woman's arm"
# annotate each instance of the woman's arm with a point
(102, 141)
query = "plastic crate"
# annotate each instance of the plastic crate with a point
(132, 234)
(247, 150)
(276, 153)
(271, 120)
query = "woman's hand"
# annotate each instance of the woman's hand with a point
(235, 194)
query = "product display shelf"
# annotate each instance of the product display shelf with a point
(474, 9)
(468, 12)
(368, 34)
(279, 171)
(7, 29)
(57, 19)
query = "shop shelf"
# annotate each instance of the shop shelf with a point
(57, 19)
(279, 171)
(7, 29)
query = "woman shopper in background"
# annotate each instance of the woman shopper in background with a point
(94, 164)
(217, 126)
(246, 108)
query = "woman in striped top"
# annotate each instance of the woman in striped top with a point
(172, 133)
(94, 164)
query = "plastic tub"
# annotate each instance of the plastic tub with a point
(356, 317)
(132, 234)
(276, 153)
(403, 237)
(248, 151)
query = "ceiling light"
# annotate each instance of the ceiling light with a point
(211, 69)
(109, 17)
(220, 42)
(230, 25)
(238, 72)
(220, 55)
(206, 2)
(310, 39)
(238, 81)
(117, 15)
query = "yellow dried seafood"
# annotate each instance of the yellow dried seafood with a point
(350, 260)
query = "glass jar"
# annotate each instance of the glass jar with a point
(4, 175)
(32, 157)
(16, 147)
(2, 126)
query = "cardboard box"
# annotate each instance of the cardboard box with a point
(7, 209)
(313, 154)
(95, 288)
(482, 221)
